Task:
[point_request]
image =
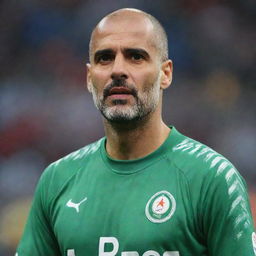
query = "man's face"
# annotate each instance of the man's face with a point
(124, 75)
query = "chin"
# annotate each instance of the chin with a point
(117, 115)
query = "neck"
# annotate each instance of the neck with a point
(126, 141)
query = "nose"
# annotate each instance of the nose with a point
(119, 68)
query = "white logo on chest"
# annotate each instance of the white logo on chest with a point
(75, 205)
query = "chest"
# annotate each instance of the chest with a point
(103, 213)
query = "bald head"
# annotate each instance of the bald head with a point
(128, 15)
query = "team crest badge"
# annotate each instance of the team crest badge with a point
(160, 207)
(254, 241)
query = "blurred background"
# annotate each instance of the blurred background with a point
(46, 111)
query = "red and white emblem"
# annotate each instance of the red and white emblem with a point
(160, 207)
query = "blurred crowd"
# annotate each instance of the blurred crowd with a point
(46, 111)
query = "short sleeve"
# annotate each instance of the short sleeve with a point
(38, 238)
(227, 220)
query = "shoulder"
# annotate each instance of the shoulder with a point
(200, 162)
(75, 159)
(58, 173)
(214, 183)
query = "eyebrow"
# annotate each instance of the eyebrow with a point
(127, 51)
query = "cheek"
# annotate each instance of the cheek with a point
(149, 81)
(98, 81)
(100, 72)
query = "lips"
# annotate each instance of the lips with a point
(120, 90)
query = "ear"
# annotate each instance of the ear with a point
(166, 74)
(88, 77)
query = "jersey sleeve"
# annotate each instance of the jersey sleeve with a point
(227, 220)
(38, 238)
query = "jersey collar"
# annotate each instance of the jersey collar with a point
(133, 166)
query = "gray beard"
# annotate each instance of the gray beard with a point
(146, 103)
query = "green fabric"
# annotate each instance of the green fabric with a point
(183, 199)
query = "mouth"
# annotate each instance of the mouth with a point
(120, 92)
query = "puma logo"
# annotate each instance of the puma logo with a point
(75, 205)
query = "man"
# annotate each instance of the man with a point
(145, 189)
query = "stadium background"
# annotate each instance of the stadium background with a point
(46, 112)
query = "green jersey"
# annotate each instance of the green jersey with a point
(184, 199)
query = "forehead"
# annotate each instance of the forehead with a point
(131, 31)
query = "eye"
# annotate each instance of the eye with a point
(137, 56)
(104, 58)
